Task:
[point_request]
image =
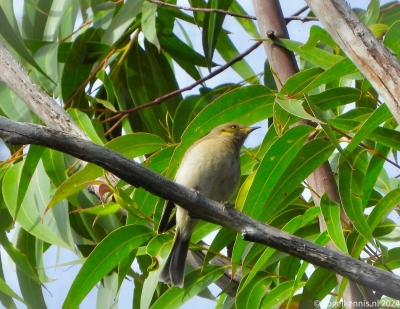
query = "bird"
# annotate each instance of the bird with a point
(211, 167)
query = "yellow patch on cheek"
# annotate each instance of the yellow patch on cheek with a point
(226, 132)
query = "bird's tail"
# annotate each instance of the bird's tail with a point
(174, 269)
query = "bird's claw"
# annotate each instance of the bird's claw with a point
(224, 205)
(194, 191)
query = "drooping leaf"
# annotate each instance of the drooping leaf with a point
(331, 213)
(108, 253)
(321, 282)
(55, 228)
(280, 293)
(252, 294)
(212, 25)
(351, 181)
(195, 282)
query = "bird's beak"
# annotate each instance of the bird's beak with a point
(248, 130)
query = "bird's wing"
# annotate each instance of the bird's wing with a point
(165, 222)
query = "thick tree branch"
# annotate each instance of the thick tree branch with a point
(376, 62)
(34, 97)
(202, 208)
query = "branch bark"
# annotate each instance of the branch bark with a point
(202, 208)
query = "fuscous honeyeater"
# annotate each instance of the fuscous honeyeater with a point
(210, 166)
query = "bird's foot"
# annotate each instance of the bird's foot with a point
(194, 191)
(225, 204)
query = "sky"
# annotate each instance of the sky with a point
(65, 275)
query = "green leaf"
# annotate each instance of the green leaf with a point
(392, 261)
(352, 119)
(135, 145)
(122, 20)
(149, 11)
(384, 228)
(13, 107)
(380, 211)
(350, 188)
(103, 15)
(212, 24)
(86, 125)
(372, 13)
(20, 259)
(228, 51)
(195, 282)
(32, 159)
(336, 97)
(321, 282)
(295, 84)
(251, 296)
(392, 40)
(317, 35)
(295, 107)
(309, 158)
(291, 227)
(53, 163)
(164, 77)
(325, 126)
(107, 296)
(315, 55)
(53, 228)
(272, 167)
(78, 64)
(223, 238)
(102, 210)
(178, 50)
(280, 293)
(31, 289)
(143, 89)
(75, 183)
(342, 68)
(380, 115)
(374, 168)
(248, 25)
(108, 253)
(331, 213)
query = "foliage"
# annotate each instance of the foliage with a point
(126, 54)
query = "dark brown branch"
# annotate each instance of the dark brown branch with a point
(202, 208)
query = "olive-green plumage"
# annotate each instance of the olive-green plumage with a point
(212, 167)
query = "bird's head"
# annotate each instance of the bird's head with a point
(235, 132)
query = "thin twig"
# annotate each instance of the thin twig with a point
(171, 94)
(303, 19)
(67, 37)
(202, 9)
(220, 11)
(302, 10)
(389, 7)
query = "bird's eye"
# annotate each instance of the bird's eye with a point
(234, 126)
